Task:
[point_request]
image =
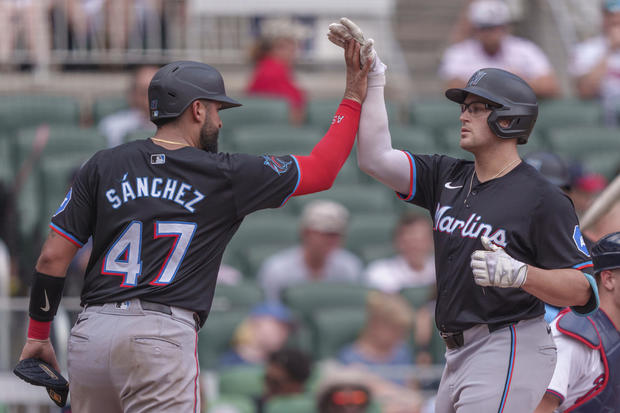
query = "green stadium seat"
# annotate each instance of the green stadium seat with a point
(290, 404)
(254, 256)
(437, 348)
(451, 137)
(435, 114)
(139, 135)
(306, 298)
(7, 173)
(604, 163)
(563, 113)
(255, 110)
(265, 228)
(241, 297)
(231, 403)
(320, 112)
(360, 198)
(578, 141)
(371, 252)
(215, 336)
(260, 139)
(416, 139)
(350, 174)
(370, 229)
(417, 296)
(31, 110)
(334, 328)
(242, 380)
(107, 105)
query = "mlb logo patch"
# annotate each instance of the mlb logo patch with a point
(153, 104)
(158, 159)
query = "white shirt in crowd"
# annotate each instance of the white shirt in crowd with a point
(288, 268)
(516, 55)
(117, 125)
(393, 274)
(577, 368)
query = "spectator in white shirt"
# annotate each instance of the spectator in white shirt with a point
(414, 265)
(491, 45)
(116, 126)
(596, 64)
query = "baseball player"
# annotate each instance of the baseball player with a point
(587, 373)
(160, 212)
(505, 239)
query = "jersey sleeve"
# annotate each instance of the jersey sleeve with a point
(260, 182)
(75, 217)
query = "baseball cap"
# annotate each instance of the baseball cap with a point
(325, 216)
(489, 13)
(274, 310)
(591, 183)
(612, 6)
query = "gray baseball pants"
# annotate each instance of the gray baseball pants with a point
(504, 371)
(123, 358)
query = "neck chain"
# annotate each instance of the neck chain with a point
(471, 181)
(170, 142)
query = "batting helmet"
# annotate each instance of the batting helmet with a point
(178, 84)
(551, 166)
(606, 253)
(515, 100)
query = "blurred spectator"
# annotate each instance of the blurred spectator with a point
(286, 374)
(27, 18)
(318, 258)
(229, 275)
(491, 45)
(344, 398)
(117, 125)
(383, 341)
(585, 189)
(596, 64)
(414, 265)
(266, 330)
(551, 166)
(273, 57)
(609, 222)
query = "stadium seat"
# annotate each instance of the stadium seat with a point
(265, 228)
(370, 229)
(320, 112)
(563, 113)
(275, 139)
(215, 336)
(350, 174)
(290, 404)
(417, 296)
(255, 110)
(334, 328)
(254, 256)
(371, 252)
(438, 348)
(107, 105)
(416, 139)
(242, 380)
(578, 141)
(605, 163)
(435, 114)
(139, 135)
(32, 110)
(241, 297)
(306, 298)
(360, 198)
(451, 137)
(7, 172)
(232, 403)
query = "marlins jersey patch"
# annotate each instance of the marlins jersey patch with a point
(277, 164)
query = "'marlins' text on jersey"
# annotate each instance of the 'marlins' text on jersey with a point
(154, 187)
(471, 228)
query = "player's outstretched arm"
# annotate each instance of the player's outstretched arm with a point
(375, 155)
(319, 170)
(45, 295)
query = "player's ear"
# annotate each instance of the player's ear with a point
(198, 110)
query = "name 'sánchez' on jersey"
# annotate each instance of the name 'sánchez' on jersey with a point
(154, 187)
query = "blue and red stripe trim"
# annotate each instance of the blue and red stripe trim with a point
(412, 179)
(511, 365)
(296, 184)
(196, 381)
(66, 235)
(587, 264)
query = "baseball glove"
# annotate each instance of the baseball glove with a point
(36, 371)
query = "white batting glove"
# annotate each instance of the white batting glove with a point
(340, 33)
(495, 268)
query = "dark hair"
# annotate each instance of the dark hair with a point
(296, 363)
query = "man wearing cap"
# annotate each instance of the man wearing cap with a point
(319, 257)
(161, 212)
(596, 64)
(491, 45)
(587, 373)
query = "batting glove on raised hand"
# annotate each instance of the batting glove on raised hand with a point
(495, 268)
(340, 33)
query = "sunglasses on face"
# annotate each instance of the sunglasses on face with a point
(476, 108)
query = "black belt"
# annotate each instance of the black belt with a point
(159, 308)
(455, 339)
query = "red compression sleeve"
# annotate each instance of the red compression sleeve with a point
(319, 169)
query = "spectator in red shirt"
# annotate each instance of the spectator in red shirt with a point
(273, 57)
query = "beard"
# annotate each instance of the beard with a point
(208, 137)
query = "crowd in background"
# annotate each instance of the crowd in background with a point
(481, 39)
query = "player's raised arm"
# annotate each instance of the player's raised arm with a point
(375, 154)
(318, 170)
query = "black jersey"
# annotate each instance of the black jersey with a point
(160, 219)
(532, 219)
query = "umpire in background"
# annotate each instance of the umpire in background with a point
(161, 212)
(505, 239)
